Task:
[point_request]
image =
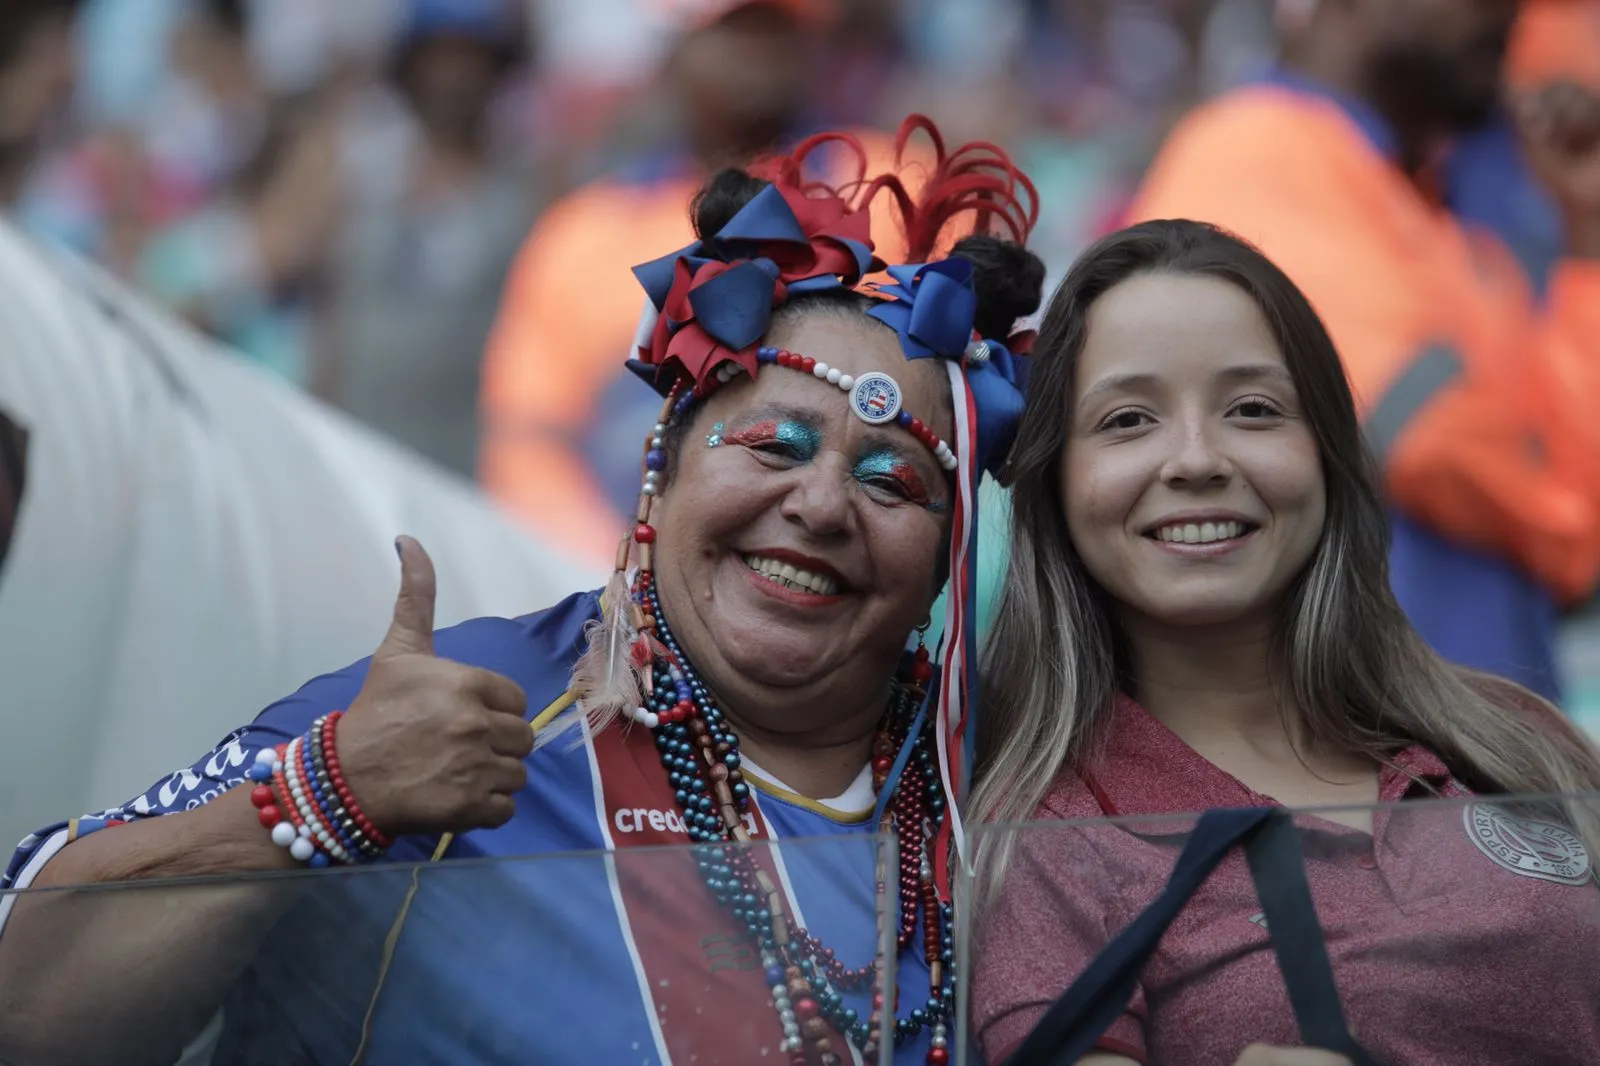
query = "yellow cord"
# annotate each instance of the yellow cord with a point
(540, 720)
(546, 716)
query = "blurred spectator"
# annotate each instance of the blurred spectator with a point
(196, 127)
(206, 121)
(1477, 401)
(1556, 40)
(36, 81)
(236, 261)
(562, 419)
(124, 57)
(432, 222)
(363, 249)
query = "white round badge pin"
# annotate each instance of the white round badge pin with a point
(875, 398)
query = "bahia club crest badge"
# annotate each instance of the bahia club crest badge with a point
(1527, 846)
(875, 398)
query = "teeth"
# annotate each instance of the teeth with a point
(1201, 533)
(792, 577)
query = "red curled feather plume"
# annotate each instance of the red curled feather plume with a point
(789, 170)
(978, 177)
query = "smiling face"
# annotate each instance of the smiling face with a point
(1192, 484)
(800, 549)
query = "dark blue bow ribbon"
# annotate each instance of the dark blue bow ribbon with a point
(735, 306)
(931, 307)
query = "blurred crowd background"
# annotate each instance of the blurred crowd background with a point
(339, 189)
(344, 190)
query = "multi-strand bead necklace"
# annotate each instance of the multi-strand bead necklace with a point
(701, 756)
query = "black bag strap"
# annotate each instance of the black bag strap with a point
(1278, 871)
(1069, 1029)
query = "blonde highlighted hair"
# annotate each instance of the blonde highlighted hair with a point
(1363, 680)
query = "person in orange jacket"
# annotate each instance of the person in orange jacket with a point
(1478, 400)
(1555, 40)
(561, 418)
(1489, 182)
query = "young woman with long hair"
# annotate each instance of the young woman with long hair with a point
(1198, 615)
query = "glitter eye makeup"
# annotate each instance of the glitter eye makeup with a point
(796, 439)
(789, 437)
(890, 470)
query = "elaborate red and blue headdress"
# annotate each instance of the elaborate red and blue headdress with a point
(709, 306)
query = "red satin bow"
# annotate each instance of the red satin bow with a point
(825, 258)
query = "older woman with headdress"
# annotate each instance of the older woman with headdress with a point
(748, 674)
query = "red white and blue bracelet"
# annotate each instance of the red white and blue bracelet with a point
(302, 797)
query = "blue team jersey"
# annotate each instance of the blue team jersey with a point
(571, 957)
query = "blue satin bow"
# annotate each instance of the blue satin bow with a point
(931, 307)
(735, 306)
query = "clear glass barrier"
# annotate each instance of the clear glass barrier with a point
(622, 958)
(1458, 931)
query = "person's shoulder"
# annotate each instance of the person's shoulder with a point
(605, 215)
(1260, 127)
(1252, 110)
(1266, 162)
(596, 202)
(527, 648)
(535, 650)
(1069, 799)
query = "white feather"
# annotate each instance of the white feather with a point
(605, 679)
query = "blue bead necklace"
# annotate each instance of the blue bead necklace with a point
(701, 755)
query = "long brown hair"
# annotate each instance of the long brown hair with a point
(1346, 656)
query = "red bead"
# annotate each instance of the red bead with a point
(783, 357)
(921, 671)
(261, 795)
(806, 1009)
(807, 363)
(644, 534)
(938, 1056)
(882, 764)
(269, 816)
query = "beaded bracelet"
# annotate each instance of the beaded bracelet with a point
(276, 813)
(306, 804)
(336, 777)
(315, 759)
(301, 796)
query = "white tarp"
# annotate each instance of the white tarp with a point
(196, 540)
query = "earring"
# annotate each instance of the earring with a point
(714, 438)
(921, 663)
